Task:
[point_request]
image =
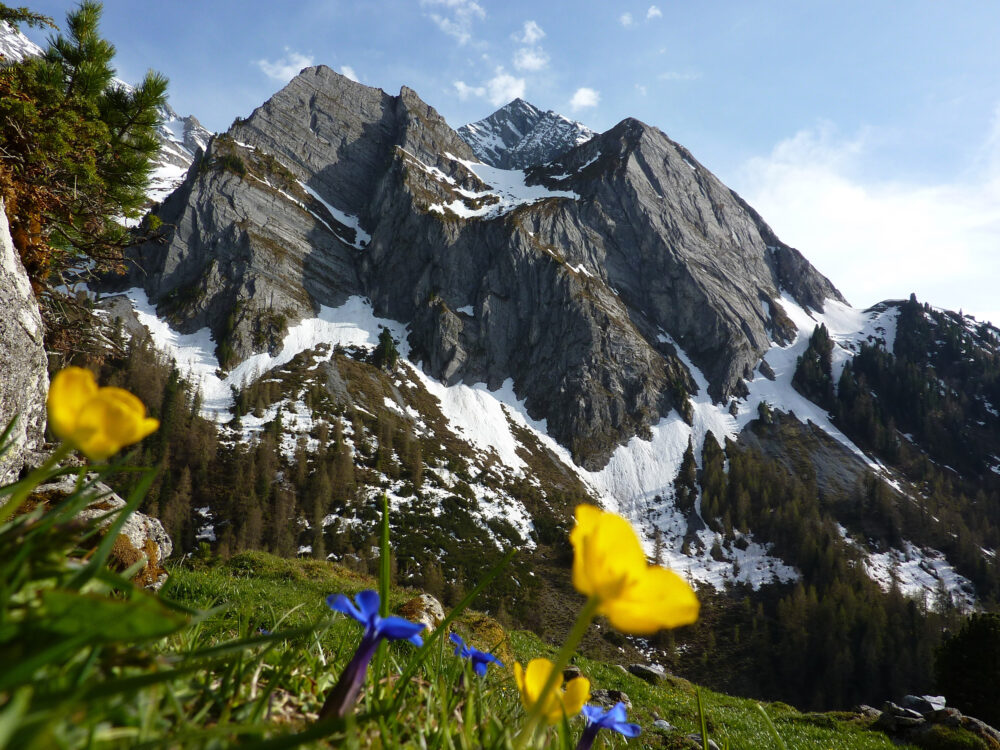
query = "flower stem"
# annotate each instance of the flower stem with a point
(587, 738)
(341, 699)
(576, 634)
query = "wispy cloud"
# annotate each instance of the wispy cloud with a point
(456, 17)
(640, 89)
(466, 91)
(882, 238)
(530, 58)
(286, 68)
(626, 20)
(653, 12)
(503, 87)
(583, 98)
(531, 33)
(348, 71)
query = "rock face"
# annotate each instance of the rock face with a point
(246, 251)
(24, 381)
(576, 279)
(519, 135)
(181, 138)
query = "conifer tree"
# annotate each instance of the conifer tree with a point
(385, 354)
(686, 483)
(77, 148)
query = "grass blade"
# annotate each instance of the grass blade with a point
(384, 568)
(771, 728)
(703, 722)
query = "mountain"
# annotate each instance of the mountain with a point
(612, 325)
(15, 46)
(180, 137)
(371, 195)
(519, 135)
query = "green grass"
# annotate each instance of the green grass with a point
(258, 588)
(243, 652)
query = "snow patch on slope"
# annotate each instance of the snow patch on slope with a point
(636, 482)
(923, 574)
(507, 186)
(15, 46)
(361, 238)
(353, 323)
(844, 324)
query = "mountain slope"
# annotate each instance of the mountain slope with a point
(592, 260)
(519, 135)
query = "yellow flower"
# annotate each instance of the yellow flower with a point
(559, 702)
(97, 421)
(608, 563)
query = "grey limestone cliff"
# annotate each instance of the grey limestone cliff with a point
(24, 379)
(578, 290)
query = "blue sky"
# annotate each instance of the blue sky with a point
(867, 133)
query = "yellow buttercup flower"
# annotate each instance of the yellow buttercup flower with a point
(609, 564)
(558, 702)
(97, 421)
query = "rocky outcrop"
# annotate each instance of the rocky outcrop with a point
(519, 135)
(681, 249)
(921, 719)
(141, 536)
(579, 293)
(24, 382)
(424, 609)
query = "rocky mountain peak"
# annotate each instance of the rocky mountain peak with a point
(520, 135)
(336, 134)
(579, 280)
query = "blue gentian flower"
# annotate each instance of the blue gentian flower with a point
(613, 719)
(480, 659)
(345, 693)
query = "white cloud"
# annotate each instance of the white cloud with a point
(504, 87)
(882, 238)
(348, 72)
(457, 18)
(653, 12)
(530, 58)
(287, 67)
(626, 20)
(532, 33)
(641, 89)
(584, 97)
(465, 91)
